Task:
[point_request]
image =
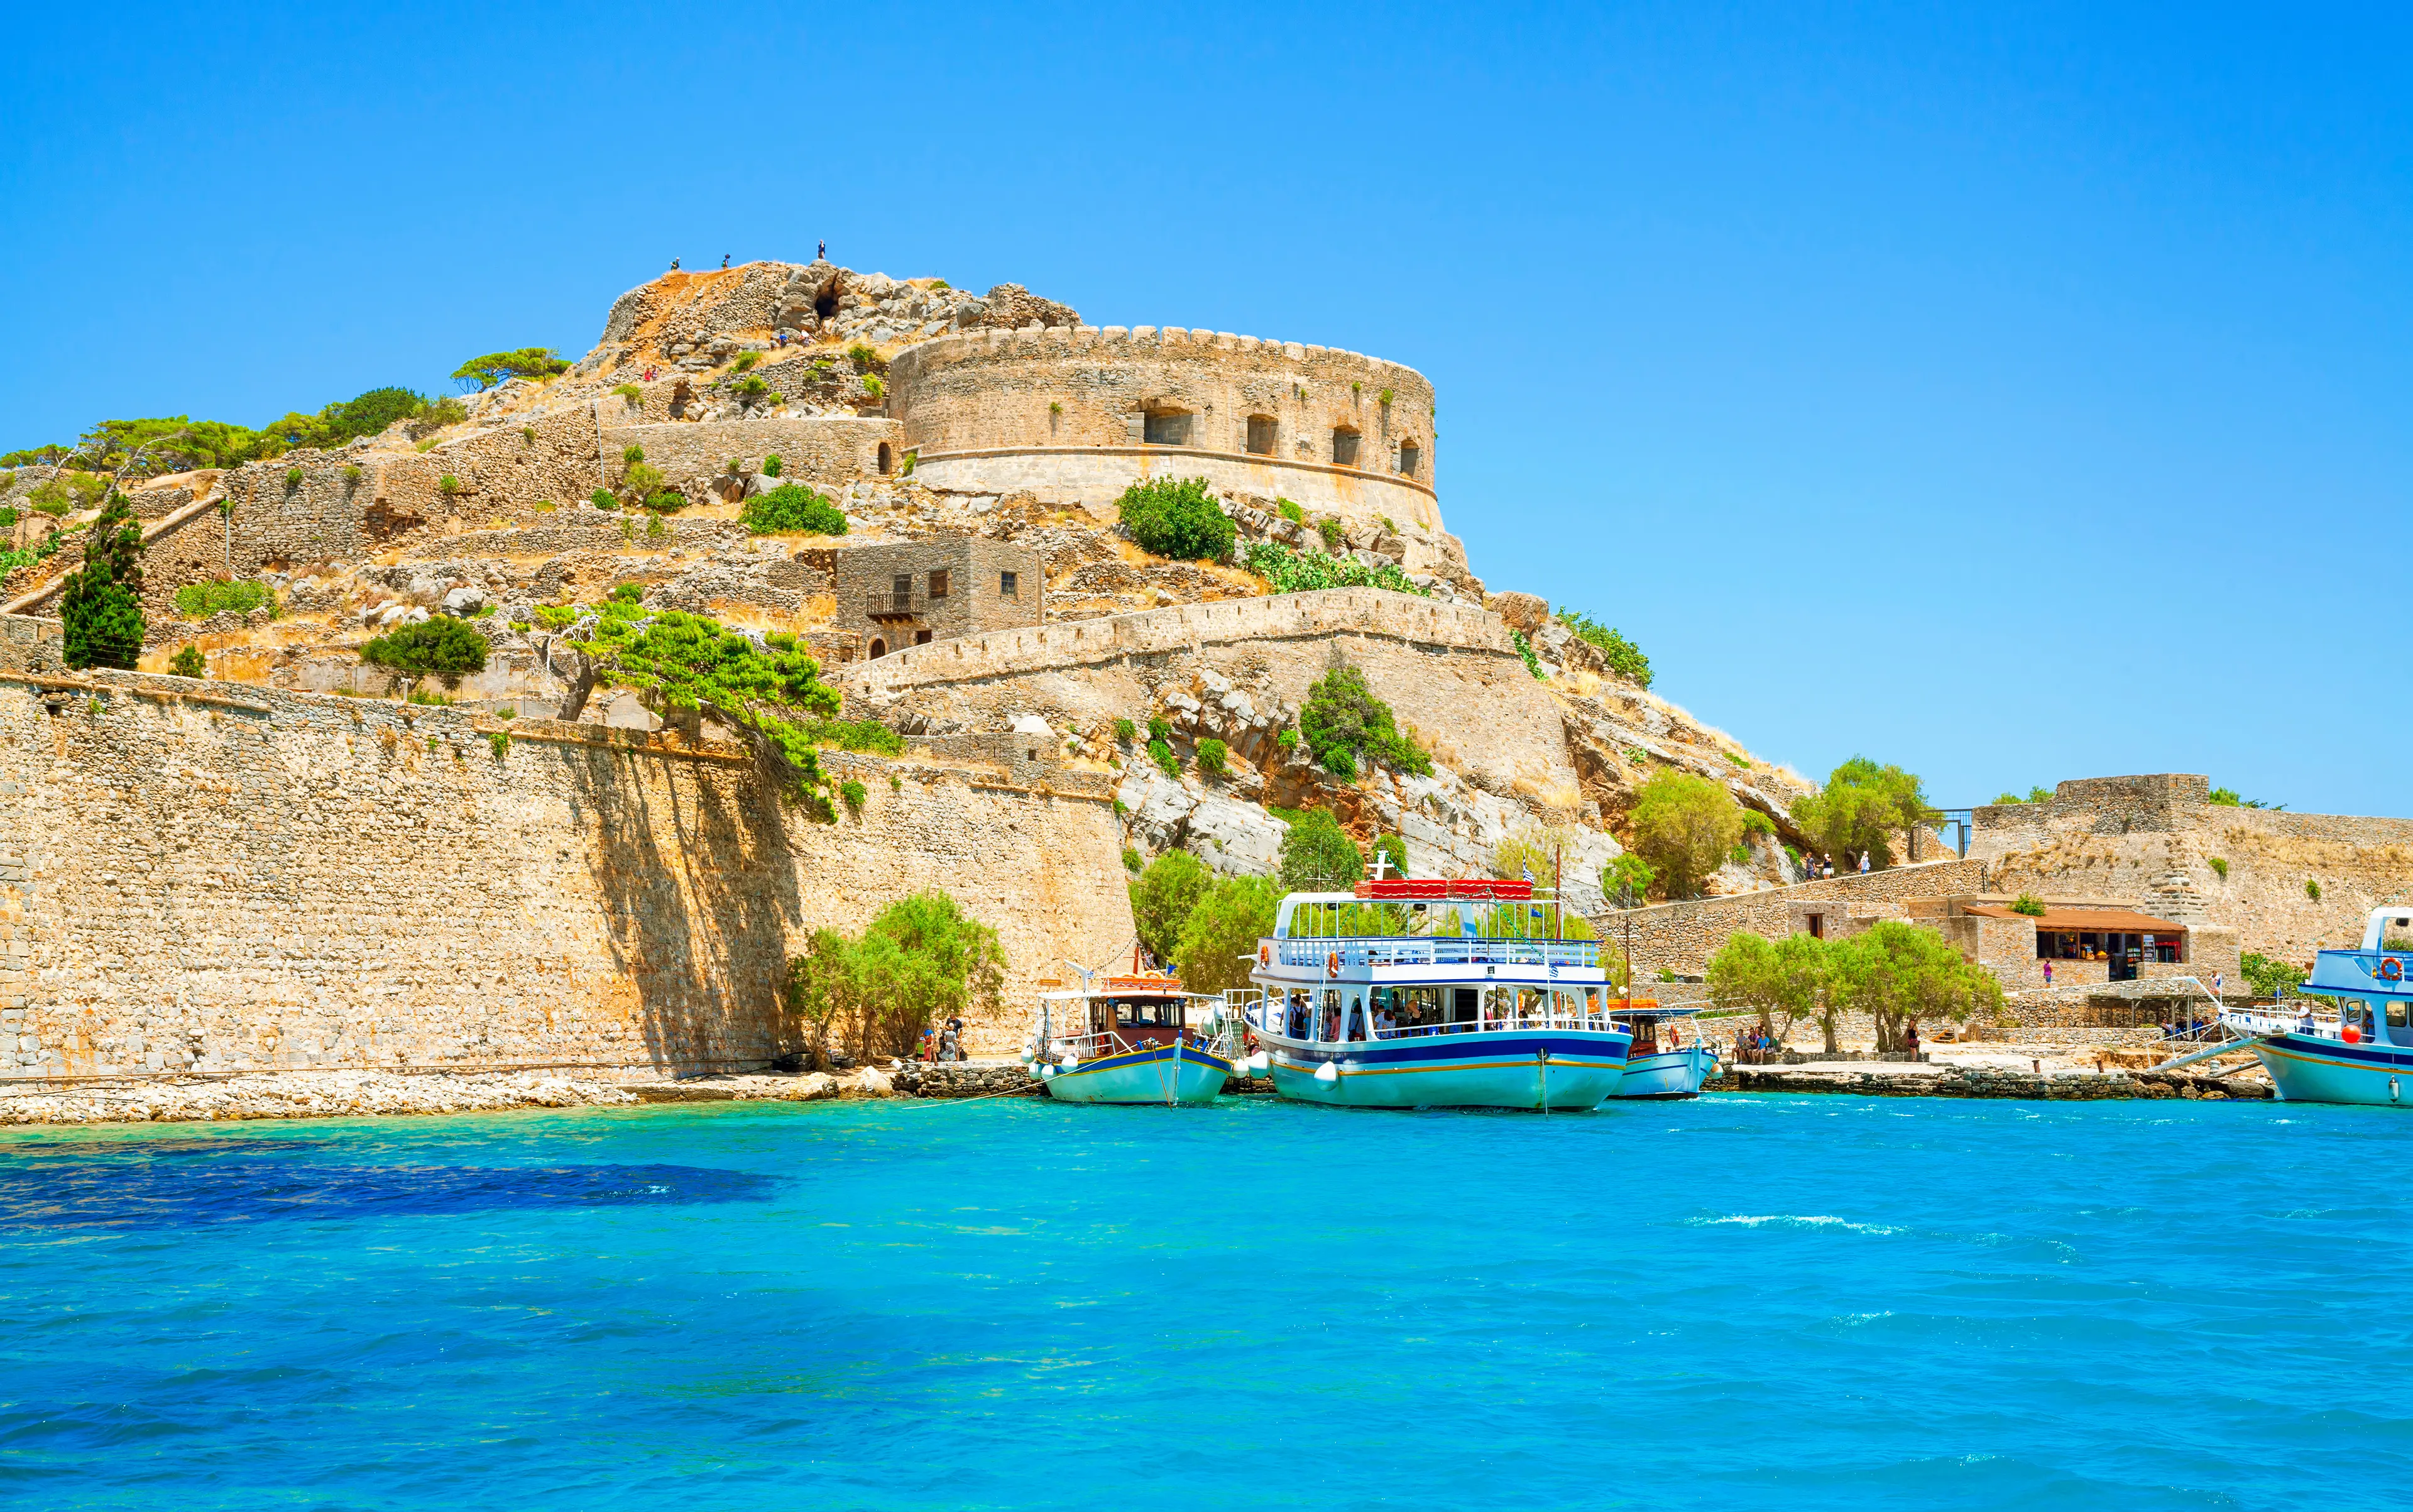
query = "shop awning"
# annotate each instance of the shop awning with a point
(2085, 921)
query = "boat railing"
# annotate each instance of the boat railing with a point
(1361, 951)
(1596, 1023)
(2257, 1022)
(2374, 966)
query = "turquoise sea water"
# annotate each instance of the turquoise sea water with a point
(1738, 1302)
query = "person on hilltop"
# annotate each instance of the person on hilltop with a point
(724, 260)
(821, 252)
(674, 264)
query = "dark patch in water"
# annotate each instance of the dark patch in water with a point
(195, 1182)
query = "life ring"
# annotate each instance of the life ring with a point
(1265, 954)
(2391, 969)
(1332, 964)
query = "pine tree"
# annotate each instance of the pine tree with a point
(102, 608)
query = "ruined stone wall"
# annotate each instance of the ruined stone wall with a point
(1681, 937)
(977, 406)
(2154, 838)
(823, 452)
(219, 876)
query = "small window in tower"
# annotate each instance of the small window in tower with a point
(1409, 457)
(1344, 446)
(921, 637)
(879, 649)
(939, 583)
(1009, 585)
(1260, 435)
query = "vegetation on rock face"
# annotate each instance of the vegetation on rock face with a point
(792, 507)
(483, 373)
(1685, 826)
(176, 443)
(188, 662)
(1525, 649)
(1161, 898)
(1623, 657)
(1305, 571)
(200, 600)
(921, 961)
(2029, 904)
(101, 608)
(1213, 756)
(1860, 808)
(439, 646)
(2227, 798)
(1347, 727)
(1162, 753)
(1223, 931)
(1177, 518)
(1318, 855)
(2035, 796)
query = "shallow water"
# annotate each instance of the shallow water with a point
(1735, 1302)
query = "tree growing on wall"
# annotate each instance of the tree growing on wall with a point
(440, 646)
(1859, 810)
(101, 609)
(1177, 518)
(1685, 826)
(483, 373)
(1347, 728)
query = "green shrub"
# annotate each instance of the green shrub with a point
(626, 593)
(1159, 727)
(2029, 904)
(1162, 755)
(1395, 850)
(1131, 862)
(1290, 511)
(1347, 727)
(448, 485)
(1306, 572)
(1177, 518)
(524, 362)
(632, 454)
(751, 386)
(1755, 822)
(666, 501)
(895, 784)
(292, 478)
(630, 395)
(655, 529)
(543, 506)
(528, 434)
(2270, 978)
(1525, 649)
(188, 662)
(1285, 740)
(10, 514)
(864, 357)
(352, 474)
(440, 646)
(640, 479)
(2220, 868)
(1335, 537)
(101, 609)
(852, 792)
(792, 507)
(747, 360)
(873, 386)
(1384, 396)
(1211, 756)
(604, 499)
(1388, 525)
(1124, 730)
(499, 742)
(772, 464)
(428, 696)
(2312, 890)
(1741, 761)
(200, 600)
(1623, 657)
(1318, 855)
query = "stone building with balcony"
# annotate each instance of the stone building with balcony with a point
(897, 594)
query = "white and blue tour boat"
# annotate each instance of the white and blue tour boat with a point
(1660, 1063)
(1135, 1038)
(1412, 993)
(2361, 1050)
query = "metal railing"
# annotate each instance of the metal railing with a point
(1380, 950)
(879, 604)
(1596, 1023)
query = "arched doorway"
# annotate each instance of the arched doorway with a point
(879, 649)
(886, 459)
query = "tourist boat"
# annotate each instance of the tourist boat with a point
(1138, 1038)
(2360, 1050)
(1660, 1064)
(1433, 994)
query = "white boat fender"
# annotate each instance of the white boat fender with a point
(1327, 1073)
(1038, 1072)
(1071, 1059)
(1260, 1063)
(1043, 1071)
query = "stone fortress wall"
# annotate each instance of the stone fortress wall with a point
(1076, 414)
(216, 876)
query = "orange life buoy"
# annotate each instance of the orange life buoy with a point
(1265, 954)
(1332, 964)
(2391, 969)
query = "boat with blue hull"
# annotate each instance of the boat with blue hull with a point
(2360, 1049)
(1135, 1038)
(1660, 1064)
(1408, 994)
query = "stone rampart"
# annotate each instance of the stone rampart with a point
(1681, 937)
(2156, 839)
(1079, 413)
(219, 877)
(828, 451)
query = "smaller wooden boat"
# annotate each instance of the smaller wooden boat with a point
(1138, 1038)
(1661, 1064)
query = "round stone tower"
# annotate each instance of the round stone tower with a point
(1078, 414)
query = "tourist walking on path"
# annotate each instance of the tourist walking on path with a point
(1864, 863)
(2047, 973)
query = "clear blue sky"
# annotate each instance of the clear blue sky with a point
(2015, 395)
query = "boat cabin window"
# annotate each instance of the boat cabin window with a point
(1158, 1014)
